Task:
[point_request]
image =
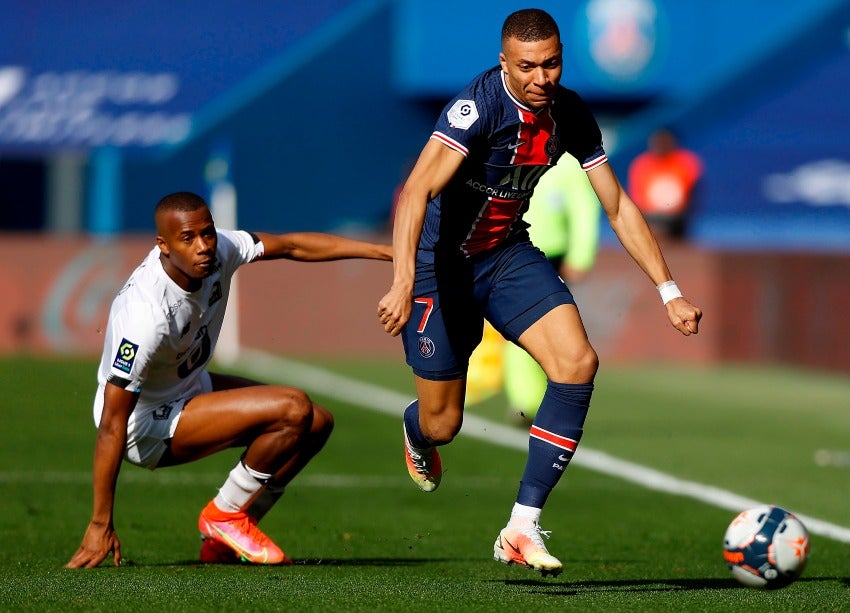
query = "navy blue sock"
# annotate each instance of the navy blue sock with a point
(411, 426)
(553, 438)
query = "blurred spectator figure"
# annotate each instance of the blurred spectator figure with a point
(564, 223)
(661, 181)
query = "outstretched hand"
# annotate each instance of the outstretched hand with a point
(98, 542)
(684, 316)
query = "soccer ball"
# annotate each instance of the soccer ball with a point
(766, 547)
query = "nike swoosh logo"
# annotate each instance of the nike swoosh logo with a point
(245, 551)
(511, 545)
(563, 458)
(516, 145)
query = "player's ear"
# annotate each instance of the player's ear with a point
(163, 246)
(503, 61)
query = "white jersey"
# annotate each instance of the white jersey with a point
(160, 337)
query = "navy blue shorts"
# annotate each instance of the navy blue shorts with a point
(512, 286)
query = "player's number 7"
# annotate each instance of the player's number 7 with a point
(429, 306)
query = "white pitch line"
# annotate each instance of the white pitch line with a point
(274, 368)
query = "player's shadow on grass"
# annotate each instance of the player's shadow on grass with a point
(318, 562)
(369, 561)
(561, 587)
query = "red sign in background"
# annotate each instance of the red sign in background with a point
(784, 308)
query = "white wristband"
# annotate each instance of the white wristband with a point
(669, 291)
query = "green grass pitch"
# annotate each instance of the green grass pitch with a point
(365, 539)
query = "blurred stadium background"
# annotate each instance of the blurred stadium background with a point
(310, 114)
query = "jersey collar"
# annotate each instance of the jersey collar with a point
(516, 100)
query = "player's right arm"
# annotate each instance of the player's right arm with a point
(630, 227)
(100, 538)
(436, 165)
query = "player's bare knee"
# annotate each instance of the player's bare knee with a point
(577, 367)
(440, 435)
(323, 421)
(295, 409)
(441, 431)
(589, 365)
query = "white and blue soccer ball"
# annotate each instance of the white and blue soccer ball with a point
(766, 547)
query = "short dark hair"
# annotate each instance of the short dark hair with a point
(530, 25)
(183, 202)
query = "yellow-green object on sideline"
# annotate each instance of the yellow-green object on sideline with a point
(564, 217)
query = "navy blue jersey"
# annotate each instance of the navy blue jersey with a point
(508, 146)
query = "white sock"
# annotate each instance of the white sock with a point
(264, 501)
(242, 486)
(523, 516)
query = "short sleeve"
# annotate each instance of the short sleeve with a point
(237, 247)
(136, 332)
(583, 136)
(463, 119)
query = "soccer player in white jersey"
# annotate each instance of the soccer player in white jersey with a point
(156, 405)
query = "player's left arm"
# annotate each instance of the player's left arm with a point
(320, 247)
(100, 538)
(633, 232)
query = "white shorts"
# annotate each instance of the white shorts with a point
(151, 426)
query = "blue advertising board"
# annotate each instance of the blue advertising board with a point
(779, 168)
(305, 93)
(613, 49)
(132, 74)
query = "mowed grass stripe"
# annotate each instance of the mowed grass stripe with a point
(177, 478)
(271, 368)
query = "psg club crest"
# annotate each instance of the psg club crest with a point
(623, 37)
(426, 347)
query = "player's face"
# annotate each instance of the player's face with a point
(533, 69)
(187, 241)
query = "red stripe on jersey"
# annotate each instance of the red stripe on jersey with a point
(535, 130)
(498, 215)
(492, 226)
(563, 442)
(594, 163)
(450, 142)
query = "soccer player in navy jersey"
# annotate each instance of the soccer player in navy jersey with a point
(462, 253)
(156, 404)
